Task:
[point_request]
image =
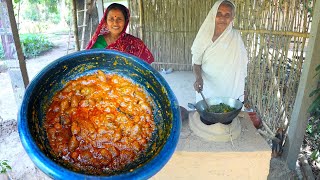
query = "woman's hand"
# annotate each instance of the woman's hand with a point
(198, 85)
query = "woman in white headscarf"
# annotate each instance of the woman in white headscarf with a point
(219, 56)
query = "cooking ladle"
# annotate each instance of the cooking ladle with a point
(204, 99)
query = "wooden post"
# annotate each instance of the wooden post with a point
(15, 33)
(100, 8)
(307, 83)
(75, 24)
(141, 19)
(84, 24)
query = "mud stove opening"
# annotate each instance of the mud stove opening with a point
(214, 132)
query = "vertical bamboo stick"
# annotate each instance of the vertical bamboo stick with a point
(75, 24)
(141, 19)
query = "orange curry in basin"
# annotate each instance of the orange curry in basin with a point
(99, 123)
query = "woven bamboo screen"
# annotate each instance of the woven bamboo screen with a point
(169, 28)
(275, 34)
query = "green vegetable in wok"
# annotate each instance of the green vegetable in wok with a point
(220, 108)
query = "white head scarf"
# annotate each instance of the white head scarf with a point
(206, 31)
(223, 62)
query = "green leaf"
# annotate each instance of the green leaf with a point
(312, 108)
(316, 74)
(309, 129)
(314, 92)
(314, 155)
(317, 69)
(4, 166)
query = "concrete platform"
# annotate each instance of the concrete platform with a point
(247, 157)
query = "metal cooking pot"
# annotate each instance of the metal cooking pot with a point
(210, 117)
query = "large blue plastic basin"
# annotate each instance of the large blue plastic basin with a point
(53, 77)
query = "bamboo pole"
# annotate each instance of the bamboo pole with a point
(268, 136)
(281, 33)
(141, 19)
(15, 33)
(84, 25)
(75, 24)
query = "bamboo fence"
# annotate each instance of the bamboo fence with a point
(168, 28)
(275, 33)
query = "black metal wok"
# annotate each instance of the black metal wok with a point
(210, 117)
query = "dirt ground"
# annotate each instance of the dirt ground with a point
(11, 148)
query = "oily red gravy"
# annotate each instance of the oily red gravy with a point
(99, 123)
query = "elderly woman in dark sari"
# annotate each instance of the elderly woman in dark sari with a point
(111, 34)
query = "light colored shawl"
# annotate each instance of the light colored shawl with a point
(223, 62)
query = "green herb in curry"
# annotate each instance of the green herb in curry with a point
(220, 108)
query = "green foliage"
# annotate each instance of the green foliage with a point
(4, 166)
(31, 14)
(309, 129)
(313, 127)
(315, 155)
(314, 108)
(312, 138)
(34, 44)
(35, 16)
(41, 10)
(1, 51)
(54, 18)
(51, 5)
